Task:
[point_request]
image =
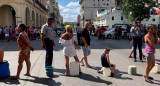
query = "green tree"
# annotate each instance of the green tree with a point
(138, 8)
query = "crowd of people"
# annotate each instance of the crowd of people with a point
(70, 46)
(9, 33)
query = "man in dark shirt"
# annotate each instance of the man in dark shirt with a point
(85, 44)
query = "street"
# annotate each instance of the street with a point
(120, 50)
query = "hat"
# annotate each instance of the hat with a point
(50, 19)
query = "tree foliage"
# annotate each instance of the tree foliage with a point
(138, 8)
(70, 23)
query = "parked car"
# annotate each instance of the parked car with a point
(111, 33)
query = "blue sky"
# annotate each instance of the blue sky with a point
(69, 9)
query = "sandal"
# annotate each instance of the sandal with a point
(148, 80)
(149, 77)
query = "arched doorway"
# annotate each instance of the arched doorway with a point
(33, 19)
(28, 20)
(7, 16)
(37, 20)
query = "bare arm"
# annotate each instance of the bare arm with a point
(43, 43)
(107, 56)
(84, 41)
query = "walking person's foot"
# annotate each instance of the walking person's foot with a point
(81, 62)
(135, 60)
(27, 74)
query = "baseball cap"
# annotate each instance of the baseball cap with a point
(50, 19)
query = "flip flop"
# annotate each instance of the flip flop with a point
(148, 80)
(149, 77)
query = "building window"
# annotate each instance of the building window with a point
(94, 4)
(107, 4)
(102, 0)
(104, 4)
(153, 19)
(121, 17)
(112, 17)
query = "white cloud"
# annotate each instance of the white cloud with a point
(70, 11)
(74, 10)
(61, 7)
(69, 18)
(73, 4)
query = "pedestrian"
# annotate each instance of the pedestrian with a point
(79, 31)
(48, 41)
(137, 40)
(1, 55)
(106, 62)
(68, 41)
(150, 43)
(24, 54)
(6, 34)
(130, 55)
(85, 38)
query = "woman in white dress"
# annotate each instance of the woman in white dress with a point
(69, 43)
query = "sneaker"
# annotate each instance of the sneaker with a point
(81, 62)
(141, 61)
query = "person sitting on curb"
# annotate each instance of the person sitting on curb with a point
(106, 62)
(1, 54)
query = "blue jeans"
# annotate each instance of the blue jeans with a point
(49, 51)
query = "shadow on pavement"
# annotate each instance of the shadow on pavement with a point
(97, 79)
(10, 82)
(43, 81)
(118, 75)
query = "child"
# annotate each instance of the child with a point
(130, 55)
(1, 55)
(106, 62)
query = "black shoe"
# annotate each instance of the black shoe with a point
(135, 60)
(151, 78)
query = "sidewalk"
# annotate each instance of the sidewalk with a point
(119, 56)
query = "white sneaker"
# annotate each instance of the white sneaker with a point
(81, 62)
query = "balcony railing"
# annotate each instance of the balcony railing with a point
(40, 5)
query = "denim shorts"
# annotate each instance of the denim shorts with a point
(86, 51)
(150, 57)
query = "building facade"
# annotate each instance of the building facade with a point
(30, 12)
(89, 8)
(78, 19)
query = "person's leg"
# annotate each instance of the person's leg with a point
(20, 65)
(140, 49)
(67, 65)
(134, 49)
(77, 60)
(130, 55)
(148, 68)
(1, 54)
(49, 52)
(113, 68)
(28, 64)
